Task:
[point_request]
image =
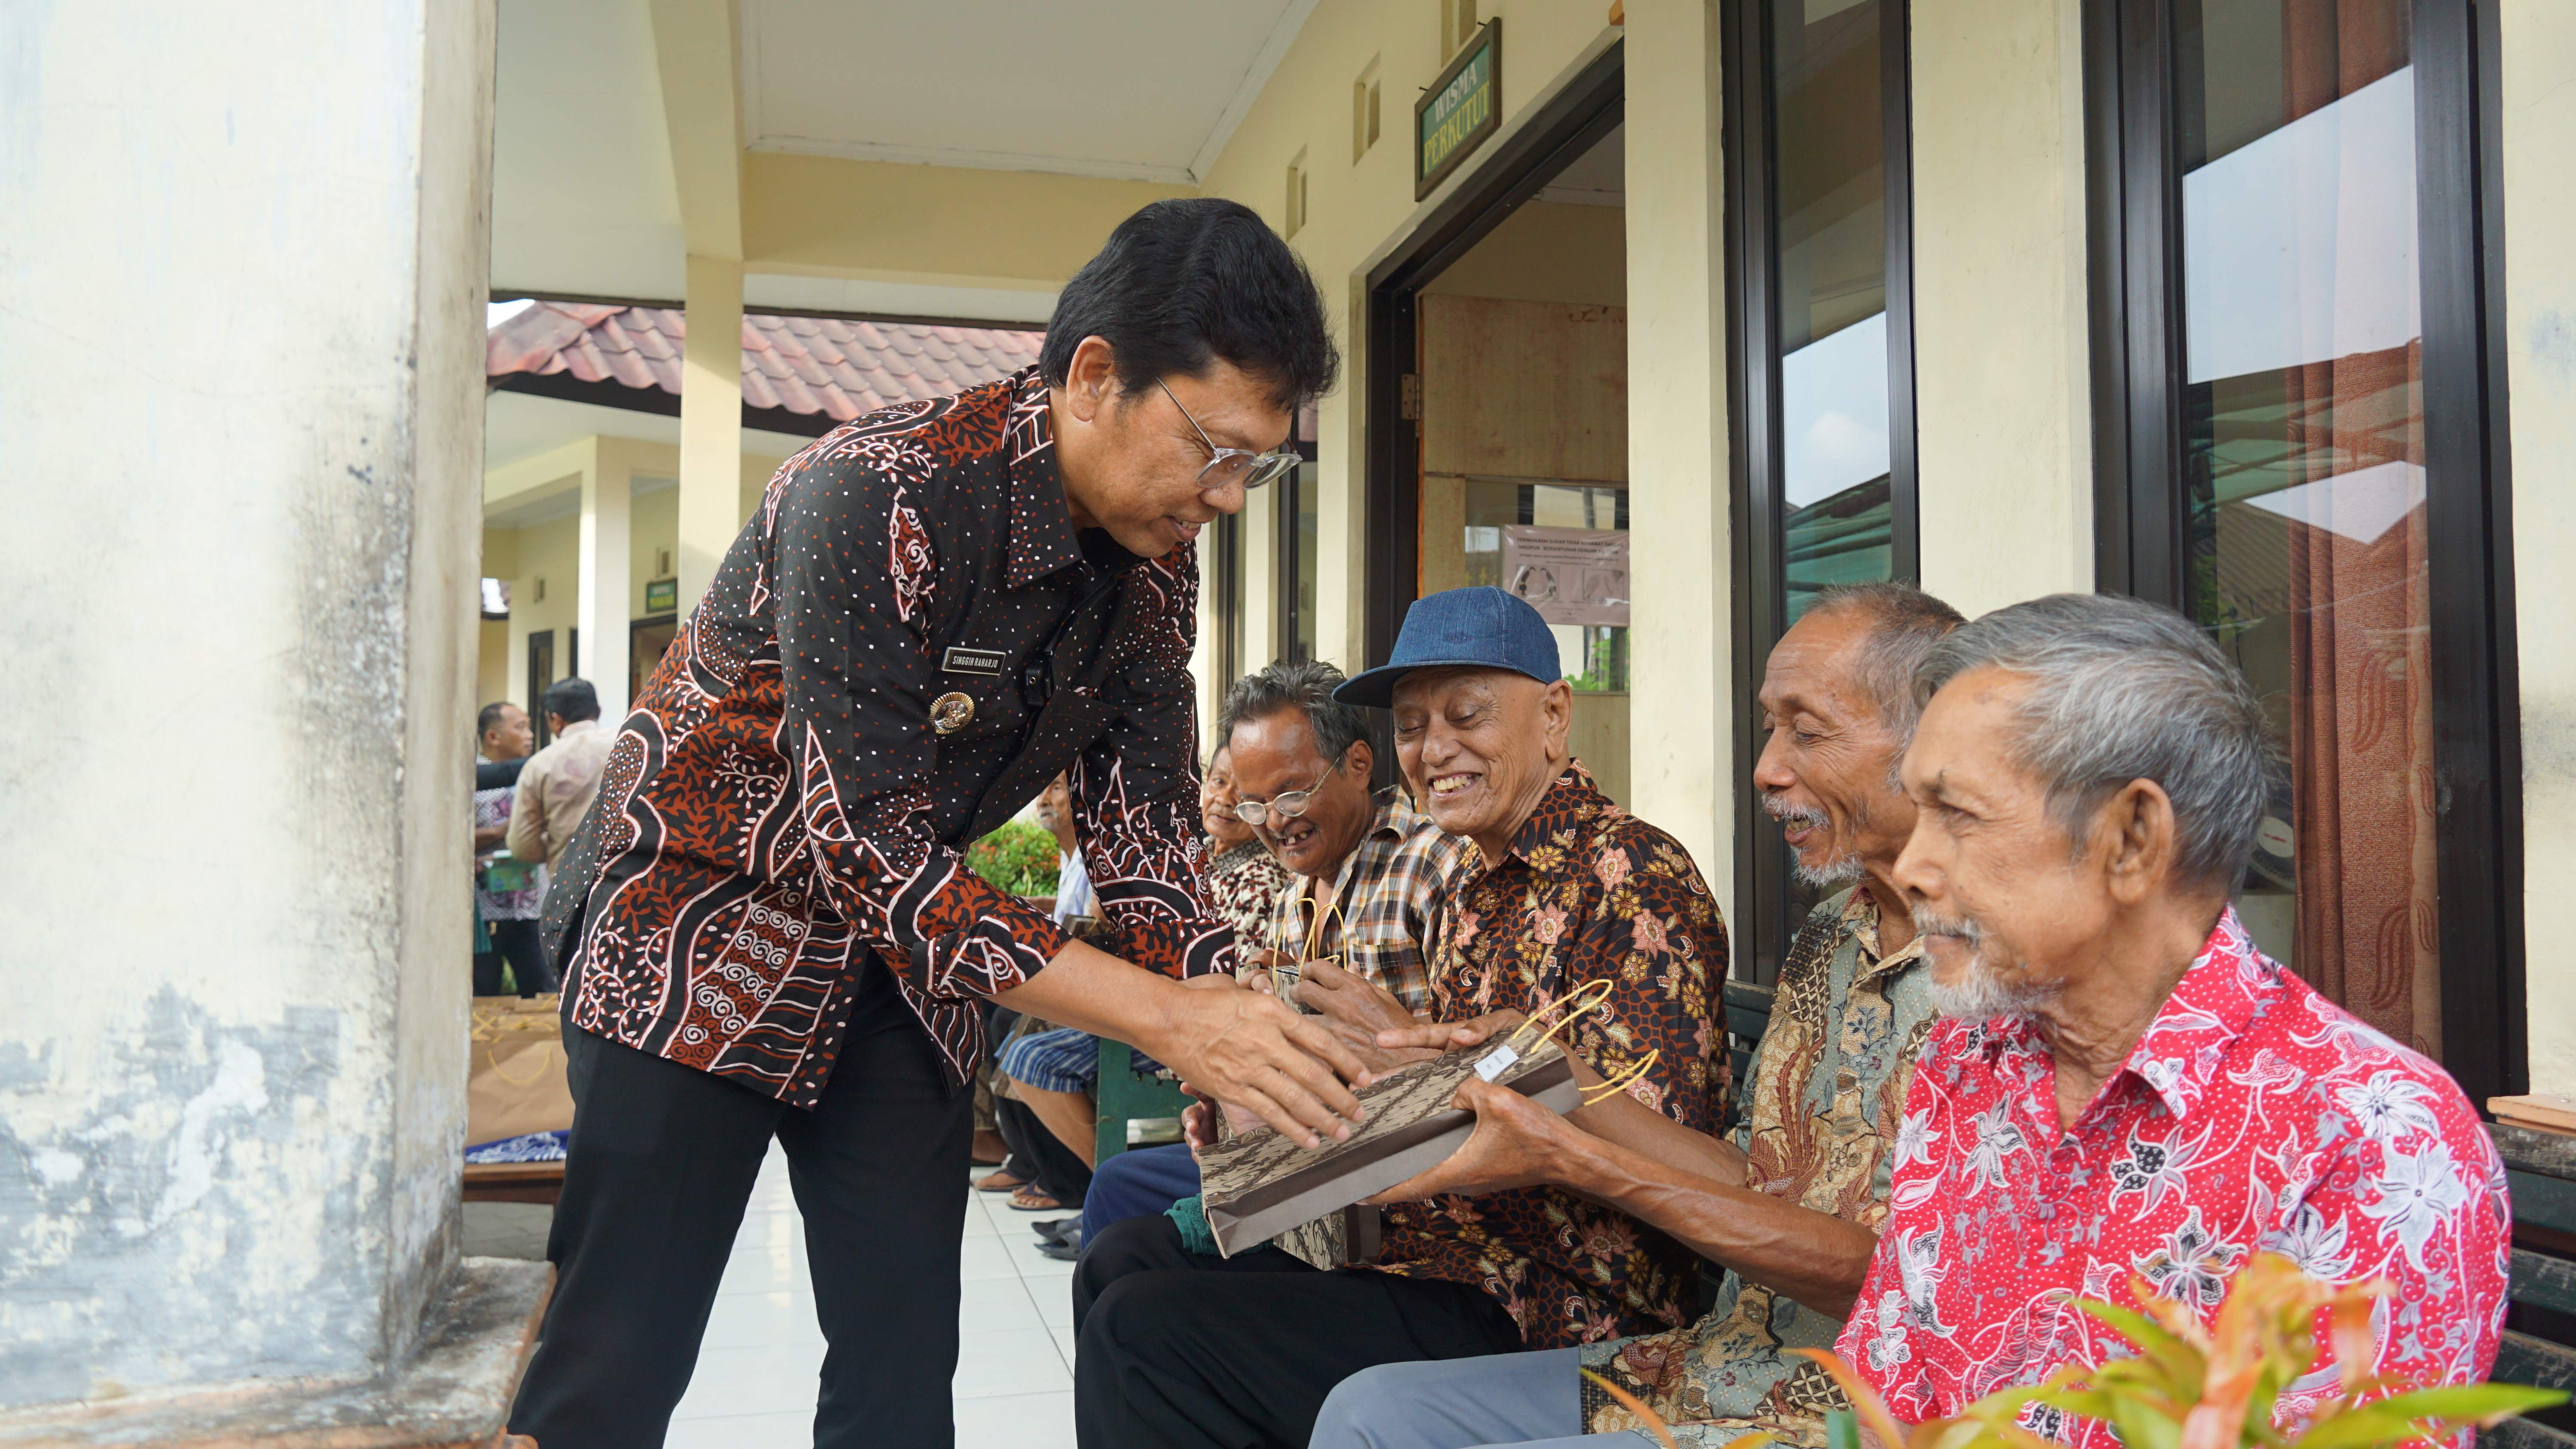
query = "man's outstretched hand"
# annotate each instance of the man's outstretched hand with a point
(1249, 1049)
(1246, 1048)
(1517, 1143)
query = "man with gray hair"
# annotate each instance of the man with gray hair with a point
(2125, 1098)
(1789, 1205)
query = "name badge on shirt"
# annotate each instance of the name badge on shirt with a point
(972, 661)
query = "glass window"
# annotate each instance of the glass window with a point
(1829, 150)
(2304, 527)
(1826, 412)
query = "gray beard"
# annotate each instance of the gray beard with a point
(1833, 875)
(1982, 993)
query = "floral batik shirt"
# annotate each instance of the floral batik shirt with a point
(1586, 893)
(1244, 883)
(2252, 1116)
(1827, 1091)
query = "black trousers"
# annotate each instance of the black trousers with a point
(1039, 1155)
(663, 1158)
(519, 943)
(1177, 1349)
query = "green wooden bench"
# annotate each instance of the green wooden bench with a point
(1123, 1097)
(2540, 1168)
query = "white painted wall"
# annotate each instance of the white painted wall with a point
(2003, 427)
(2540, 359)
(238, 718)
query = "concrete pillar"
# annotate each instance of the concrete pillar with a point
(710, 424)
(606, 563)
(240, 579)
(2539, 125)
(2002, 362)
(1682, 716)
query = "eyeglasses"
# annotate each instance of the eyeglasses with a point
(1286, 806)
(1227, 466)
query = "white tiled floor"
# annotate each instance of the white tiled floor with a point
(754, 1388)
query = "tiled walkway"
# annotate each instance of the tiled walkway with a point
(754, 1388)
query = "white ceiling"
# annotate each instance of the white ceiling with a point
(1148, 90)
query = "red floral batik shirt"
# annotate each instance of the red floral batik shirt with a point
(1588, 893)
(2253, 1116)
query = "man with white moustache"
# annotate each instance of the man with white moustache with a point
(1787, 1206)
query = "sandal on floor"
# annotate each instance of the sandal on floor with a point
(999, 1182)
(1029, 1200)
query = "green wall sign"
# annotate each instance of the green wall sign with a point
(1461, 109)
(662, 596)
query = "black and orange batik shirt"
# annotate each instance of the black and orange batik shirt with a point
(780, 800)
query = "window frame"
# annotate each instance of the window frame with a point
(1759, 511)
(2133, 190)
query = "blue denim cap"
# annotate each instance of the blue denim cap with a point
(1481, 628)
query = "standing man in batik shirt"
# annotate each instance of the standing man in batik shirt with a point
(2125, 1098)
(1789, 1205)
(771, 931)
(1566, 890)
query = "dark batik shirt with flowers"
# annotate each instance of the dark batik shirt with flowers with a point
(1587, 893)
(779, 803)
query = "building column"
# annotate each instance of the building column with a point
(239, 674)
(2002, 335)
(606, 590)
(2539, 144)
(710, 424)
(1683, 714)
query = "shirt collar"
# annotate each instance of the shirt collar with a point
(1571, 793)
(1860, 920)
(1232, 855)
(1042, 533)
(2216, 1000)
(579, 726)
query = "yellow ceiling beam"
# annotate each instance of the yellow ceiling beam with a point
(953, 225)
(694, 47)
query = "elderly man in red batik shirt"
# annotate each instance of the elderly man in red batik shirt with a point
(2127, 1097)
(1566, 889)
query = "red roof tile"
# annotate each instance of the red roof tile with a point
(812, 365)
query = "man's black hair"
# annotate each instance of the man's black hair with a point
(489, 719)
(1305, 687)
(1184, 282)
(572, 700)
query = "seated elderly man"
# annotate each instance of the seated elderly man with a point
(1366, 876)
(1789, 1208)
(2126, 1092)
(1567, 889)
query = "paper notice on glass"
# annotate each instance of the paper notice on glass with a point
(1570, 575)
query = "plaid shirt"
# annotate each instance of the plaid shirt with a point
(1389, 897)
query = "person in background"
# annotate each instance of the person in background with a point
(1182, 1348)
(559, 781)
(1054, 1070)
(1245, 880)
(509, 894)
(1366, 874)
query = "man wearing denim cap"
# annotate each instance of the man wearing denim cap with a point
(1567, 889)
